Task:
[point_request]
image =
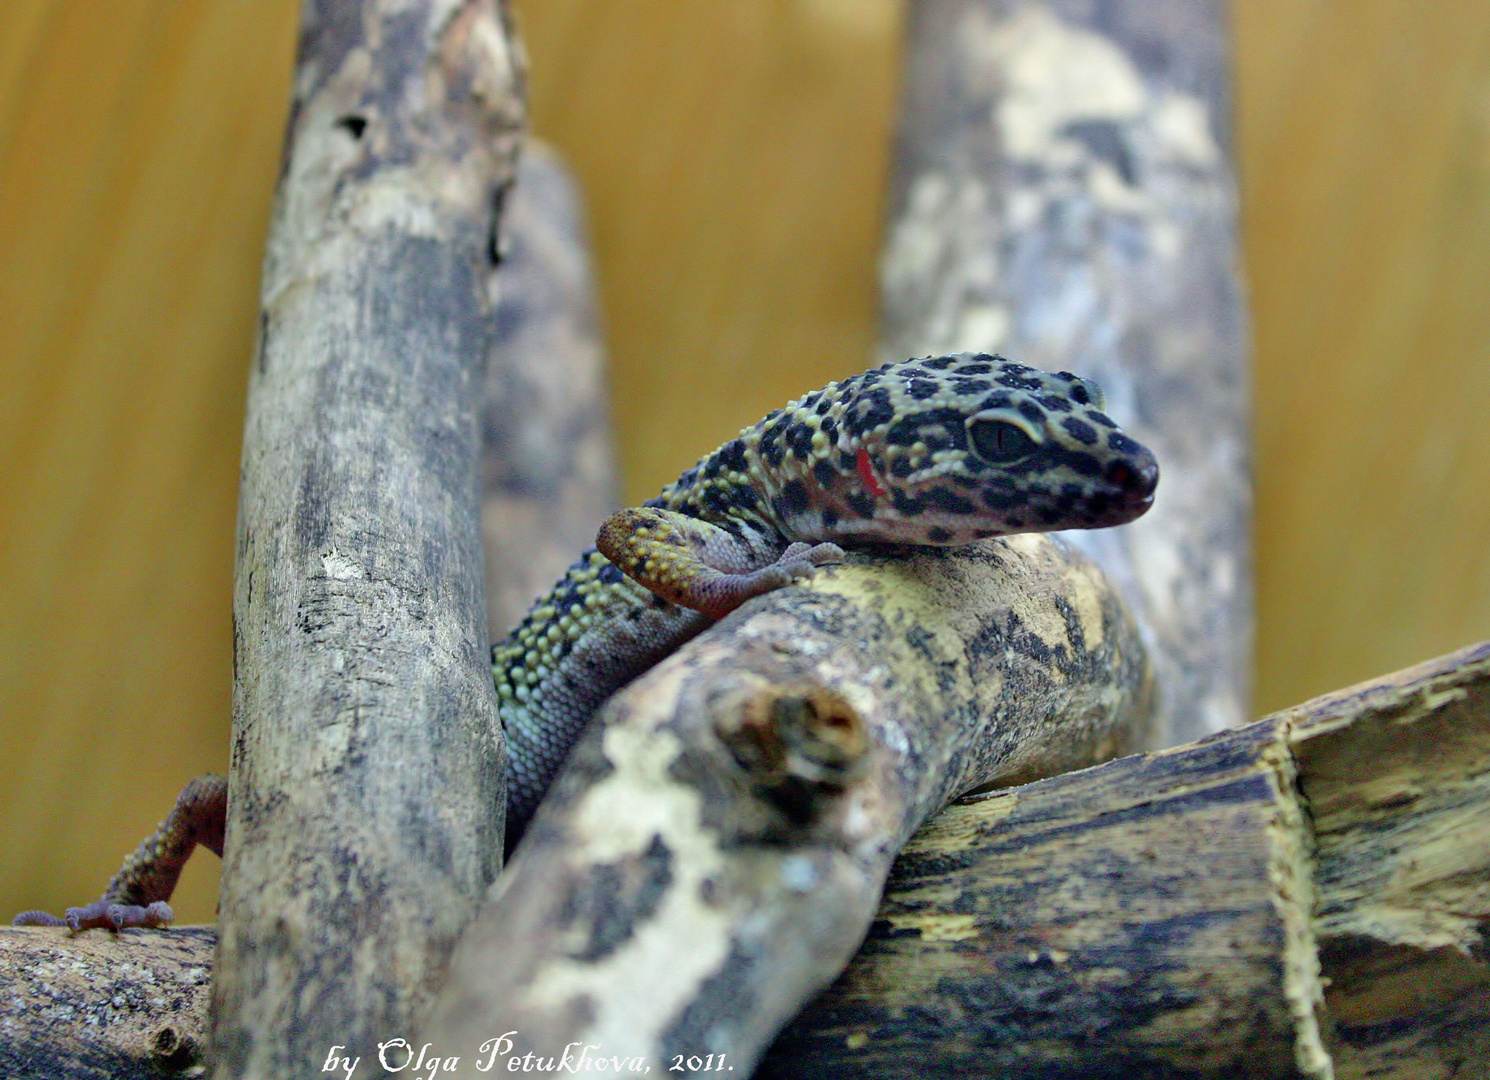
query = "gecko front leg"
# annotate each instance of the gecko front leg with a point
(701, 566)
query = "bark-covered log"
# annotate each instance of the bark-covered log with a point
(1063, 195)
(1152, 917)
(365, 807)
(547, 465)
(1146, 918)
(99, 1006)
(1172, 880)
(714, 850)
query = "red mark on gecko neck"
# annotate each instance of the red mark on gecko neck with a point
(866, 474)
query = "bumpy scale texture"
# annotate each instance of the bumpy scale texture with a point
(938, 451)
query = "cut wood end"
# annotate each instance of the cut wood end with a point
(1291, 872)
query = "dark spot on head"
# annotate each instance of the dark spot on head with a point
(873, 409)
(940, 498)
(996, 401)
(799, 439)
(969, 387)
(830, 518)
(1049, 516)
(847, 461)
(1122, 444)
(1002, 500)
(1031, 412)
(1017, 382)
(860, 503)
(1101, 418)
(900, 468)
(1078, 461)
(792, 500)
(829, 427)
(610, 574)
(732, 454)
(921, 389)
(976, 368)
(1016, 523)
(938, 535)
(1080, 431)
(771, 451)
(906, 505)
(1079, 394)
(824, 406)
(903, 432)
(825, 472)
(1054, 403)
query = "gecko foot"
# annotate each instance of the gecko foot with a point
(102, 915)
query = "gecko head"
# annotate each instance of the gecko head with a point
(949, 449)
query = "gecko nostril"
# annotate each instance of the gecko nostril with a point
(1139, 481)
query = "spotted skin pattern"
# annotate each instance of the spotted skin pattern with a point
(939, 451)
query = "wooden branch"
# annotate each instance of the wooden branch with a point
(365, 806)
(714, 850)
(1152, 916)
(548, 474)
(1063, 195)
(100, 1006)
(1137, 917)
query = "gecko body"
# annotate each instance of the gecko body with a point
(938, 451)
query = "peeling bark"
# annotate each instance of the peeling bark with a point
(366, 794)
(1063, 195)
(713, 852)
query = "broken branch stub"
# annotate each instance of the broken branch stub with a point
(713, 852)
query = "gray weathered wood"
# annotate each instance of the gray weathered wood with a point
(366, 795)
(548, 474)
(714, 850)
(1063, 195)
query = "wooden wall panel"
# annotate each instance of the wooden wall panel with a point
(138, 147)
(734, 155)
(1365, 148)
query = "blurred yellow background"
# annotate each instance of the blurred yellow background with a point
(734, 154)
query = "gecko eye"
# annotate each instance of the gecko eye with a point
(1000, 441)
